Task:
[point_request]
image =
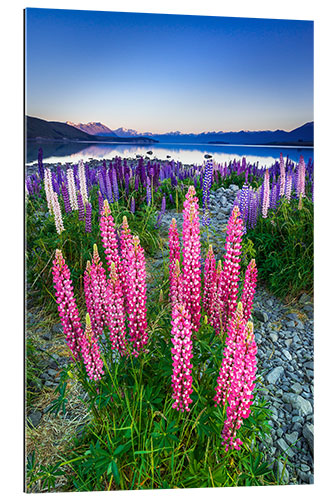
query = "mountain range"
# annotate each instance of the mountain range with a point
(38, 129)
(302, 135)
(43, 130)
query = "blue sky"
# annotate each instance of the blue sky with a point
(158, 73)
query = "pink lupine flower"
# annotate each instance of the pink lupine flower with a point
(91, 354)
(115, 312)
(249, 288)
(108, 235)
(72, 189)
(209, 280)
(191, 258)
(95, 293)
(174, 247)
(235, 334)
(136, 297)
(226, 296)
(241, 389)
(288, 186)
(176, 285)
(265, 201)
(181, 357)
(282, 176)
(67, 308)
(83, 183)
(57, 213)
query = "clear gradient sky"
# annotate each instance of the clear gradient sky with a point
(162, 73)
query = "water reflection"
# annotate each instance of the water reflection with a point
(186, 153)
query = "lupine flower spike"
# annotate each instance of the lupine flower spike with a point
(265, 202)
(249, 289)
(174, 247)
(136, 297)
(72, 189)
(108, 235)
(95, 290)
(115, 312)
(67, 308)
(181, 358)
(91, 353)
(176, 285)
(209, 279)
(191, 258)
(240, 394)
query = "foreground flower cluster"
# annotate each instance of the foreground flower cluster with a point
(236, 379)
(105, 295)
(116, 299)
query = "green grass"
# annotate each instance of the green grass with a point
(284, 249)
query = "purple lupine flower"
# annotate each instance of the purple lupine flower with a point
(274, 193)
(40, 163)
(171, 199)
(80, 205)
(244, 204)
(109, 188)
(206, 190)
(148, 198)
(132, 205)
(136, 183)
(88, 217)
(126, 183)
(115, 185)
(101, 183)
(65, 196)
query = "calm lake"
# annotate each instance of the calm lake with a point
(186, 153)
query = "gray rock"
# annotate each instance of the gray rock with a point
(287, 354)
(34, 418)
(298, 403)
(274, 337)
(234, 188)
(297, 388)
(305, 468)
(292, 438)
(284, 447)
(260, 315)
(273, 376)
(308, 435)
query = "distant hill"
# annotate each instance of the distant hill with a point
(38, 129)
(94, 128)
(303, 134)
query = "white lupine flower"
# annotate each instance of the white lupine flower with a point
(57, 214)
(72, 189)
(48, 189)
(83, 184)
